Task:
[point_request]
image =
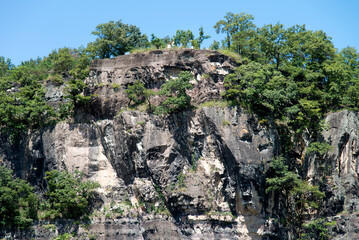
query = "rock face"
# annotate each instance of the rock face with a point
(201, 171)
(108, 76)
(193, 175)
(342, 164)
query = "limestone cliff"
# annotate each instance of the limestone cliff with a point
(198, 174)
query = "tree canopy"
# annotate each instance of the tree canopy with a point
(234, 23)
(116, 38)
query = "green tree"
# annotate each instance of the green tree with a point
(81, 66)
(343, 79)
(18, 202)
(183, 38)
(62, 60)
(317, 229)
(196, 43)
(214, 45)
(175, 92)
(116, 38)
(24, 107)
(74, 91)
(261, 89)
(158, 42)
(272, 40)
(68, 195)
(136, 92)
(5, 65)
(234, 23)
(298, 195)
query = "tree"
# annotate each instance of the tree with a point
(343, 79)
(25, 107)
(68, 195)
(196, 43)
(317, 229)
(18, 202)
(74, 92)
(183, 38)
(159, 42)
(214, 45)
(136, 92)
(297, 193)
(116, 38)
(233, 23)
(5, 65)
(272, 40)
(62, 60)
(175, 92)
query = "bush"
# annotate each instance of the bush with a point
(136, 92)
(68, 195)
(175, 91)
(317, 229)
(18, 203)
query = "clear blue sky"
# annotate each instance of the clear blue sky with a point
(32, 28)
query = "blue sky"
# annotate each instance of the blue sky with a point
(32, 28)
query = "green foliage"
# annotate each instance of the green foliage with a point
(5, 66)
(285, 78)
(194, 162)
(181, 181)
(116, 38)
(22, 97)
(175, 92)
(116, 86)
(138, 93)
(196, 43)
(298, 194)
(25, 106)
(215, 45)
(318, 147)
(231, 54)
(74, 92)
(18, 203)
(159, 43)
(62, 60)
(317, 229)
(68, 195)
(57, 79)
(183, 38)
(226, 123)
(234, 23)
(65, 236)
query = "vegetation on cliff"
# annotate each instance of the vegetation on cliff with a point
(289, 77)
(66, 196)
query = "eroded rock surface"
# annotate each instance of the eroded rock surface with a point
(198, 174)
(108, 77)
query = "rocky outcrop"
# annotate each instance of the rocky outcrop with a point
(198, 174)
(191, 175)
(339, 172)
(108, 77)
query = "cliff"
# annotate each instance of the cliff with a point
(198, 174)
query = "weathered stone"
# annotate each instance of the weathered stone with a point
(198, 174)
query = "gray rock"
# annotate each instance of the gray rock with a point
(193, 175)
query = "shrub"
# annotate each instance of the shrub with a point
(136, 92)
(175, 92)
(18, 203)
(68, 195)
(317, 229)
